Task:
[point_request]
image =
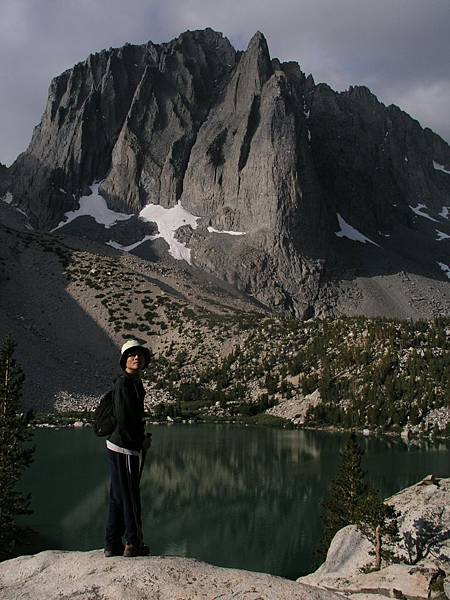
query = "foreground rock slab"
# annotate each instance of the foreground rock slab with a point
(423, 550)
(404, 581)
(90, 576)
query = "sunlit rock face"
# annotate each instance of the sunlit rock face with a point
(423, 549)
(50, 575)
(309, 177)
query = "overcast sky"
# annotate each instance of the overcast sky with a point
(400, 49)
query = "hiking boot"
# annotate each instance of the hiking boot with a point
(108, 552)
(136, 550)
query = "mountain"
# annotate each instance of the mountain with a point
(70, 303)
(309, 200)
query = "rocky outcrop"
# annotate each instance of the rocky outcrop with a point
(352, 130)
(252, 146)
(128, 115)
(63, 575)
(175, 91)
(295, 409)
(423, 553)
(3, 172)
(4, 183)
(251, 171)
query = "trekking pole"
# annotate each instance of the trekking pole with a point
(145, 447)
(144, 454)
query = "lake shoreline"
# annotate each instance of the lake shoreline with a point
(68, 421)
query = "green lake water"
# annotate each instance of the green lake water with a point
(233, 496)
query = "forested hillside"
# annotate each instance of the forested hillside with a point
(369, 373)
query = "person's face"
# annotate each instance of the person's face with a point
(135, 361)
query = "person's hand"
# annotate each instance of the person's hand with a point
(147, 441)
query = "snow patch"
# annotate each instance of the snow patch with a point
(306, 112)
(118, 246)
(212, 230)
(8, 198)
(351, 233)
(168, 221)
(418, 211)
(94, 206)
(445, 268)
(445, 212)
(442, 236)
(22, 212)
(406, 159)
(439, 167)
(62, 191)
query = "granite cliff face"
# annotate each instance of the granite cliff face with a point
(250, 146)
(128, 115)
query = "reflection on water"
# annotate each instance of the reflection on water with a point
(233, 496)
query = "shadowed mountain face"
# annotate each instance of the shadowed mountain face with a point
(320, 185)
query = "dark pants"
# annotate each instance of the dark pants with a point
(124, 517)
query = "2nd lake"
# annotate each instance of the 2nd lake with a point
(234, 496)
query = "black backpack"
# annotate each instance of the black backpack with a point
(104, 419)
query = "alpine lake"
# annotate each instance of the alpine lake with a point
(234, 496)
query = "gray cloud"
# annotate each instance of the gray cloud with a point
(398, 48)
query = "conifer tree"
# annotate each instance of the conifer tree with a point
(378, 522)
(15, 455)
(341, 508)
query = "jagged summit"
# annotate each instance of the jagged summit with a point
(291, 187)
(254, 67)
(258, 48)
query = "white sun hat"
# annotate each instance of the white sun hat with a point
(133, 345)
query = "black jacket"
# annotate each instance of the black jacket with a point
(128, 397)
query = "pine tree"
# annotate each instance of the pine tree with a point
(378, 522)
(15, 453)
(346, 492)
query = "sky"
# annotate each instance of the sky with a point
(400, 49)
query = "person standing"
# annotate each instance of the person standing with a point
(125, 447)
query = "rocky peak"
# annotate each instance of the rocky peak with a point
(98, 110)
(249, 144)
(439, 151)
(206, 56)
(4, 180)
(258, 50)
(168, 106)
(252, 72)
(292, 70)
(361, 93)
